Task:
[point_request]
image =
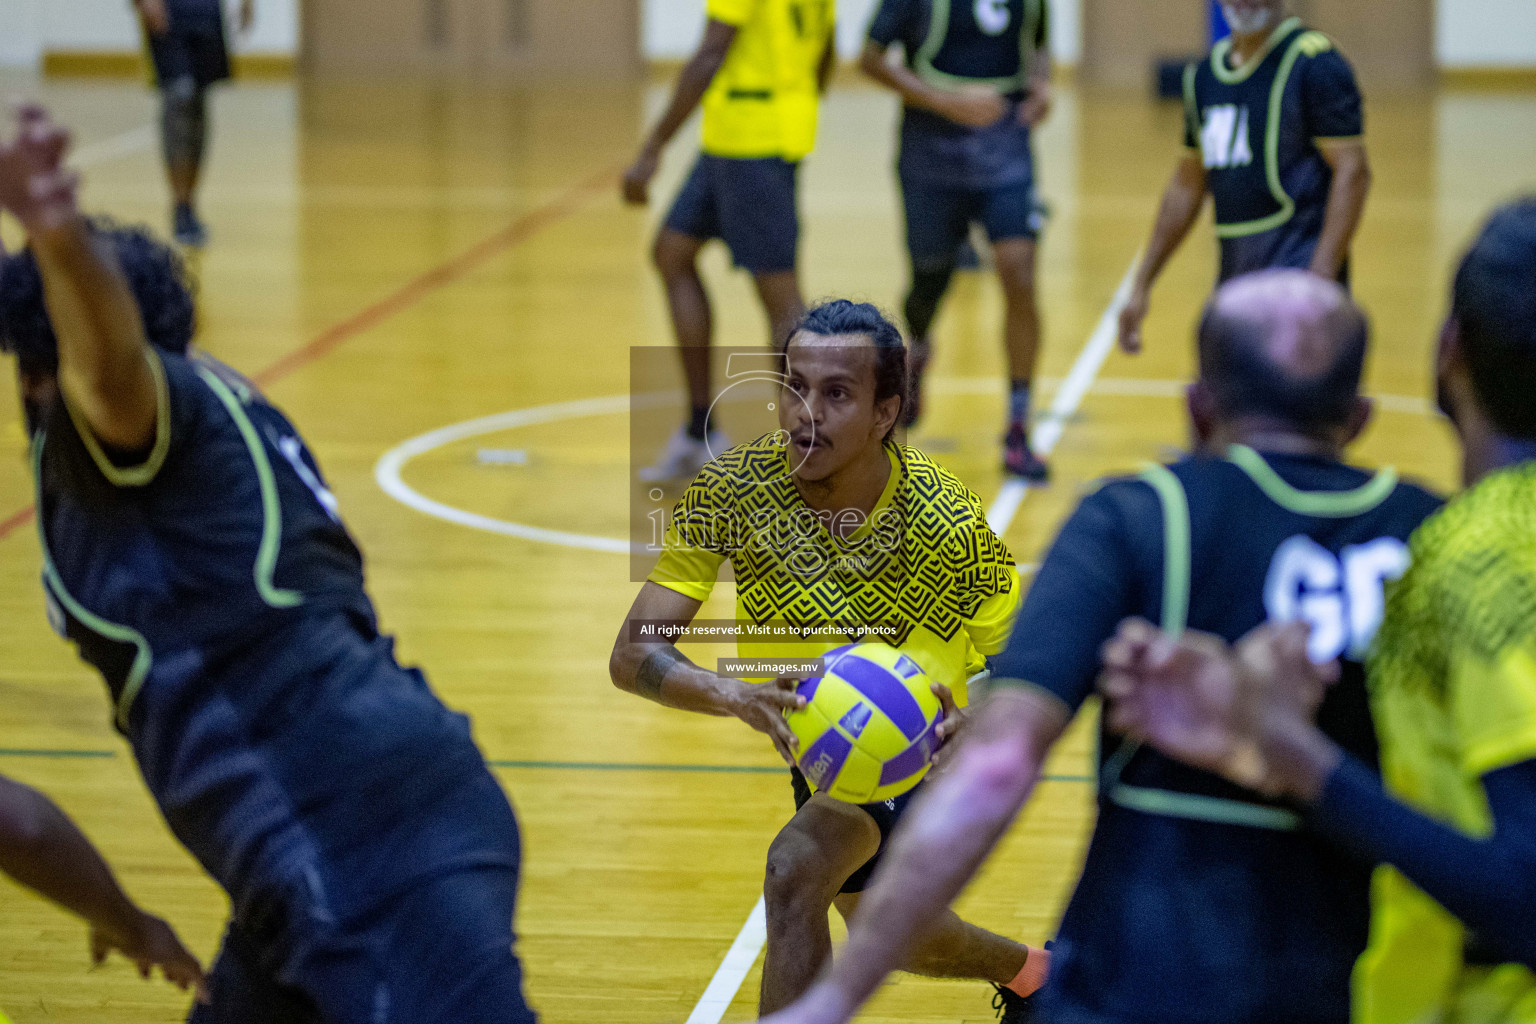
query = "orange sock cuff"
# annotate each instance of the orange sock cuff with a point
(1031, 977)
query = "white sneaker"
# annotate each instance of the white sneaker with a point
(684, 456)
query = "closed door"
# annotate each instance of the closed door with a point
(590, 38)
(1390, 42)
(1123, 39)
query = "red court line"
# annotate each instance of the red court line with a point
(413, 291)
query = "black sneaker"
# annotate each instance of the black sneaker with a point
(1013, 1008)
(186, 227)
(917, 364)
(1019, 460)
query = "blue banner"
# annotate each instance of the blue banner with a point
(1219, 29)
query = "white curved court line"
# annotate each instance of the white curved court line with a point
(387, 471)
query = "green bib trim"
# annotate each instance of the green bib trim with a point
(1322, 504)
(271, 504)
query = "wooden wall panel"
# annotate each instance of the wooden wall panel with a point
(1123, 38)
(587, 38)
(1390, 42)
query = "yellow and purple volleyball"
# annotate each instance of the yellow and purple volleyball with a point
(868, 729)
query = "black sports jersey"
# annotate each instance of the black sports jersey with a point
(965, 43)
(1199, 902)
(223, 534)
(214, 587)
(196, 15)
(1257, 129)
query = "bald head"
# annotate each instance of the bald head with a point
(1284, 344)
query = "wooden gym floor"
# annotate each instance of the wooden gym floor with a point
(391, 260)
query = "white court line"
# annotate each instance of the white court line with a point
(1048, 431)
(132, 141)
(734, 969)
(387, 472)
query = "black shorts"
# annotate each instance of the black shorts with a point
(198, 56)
(939, 217)
(1291, 245)
(885, 814)
(439, 954)
(748, 204)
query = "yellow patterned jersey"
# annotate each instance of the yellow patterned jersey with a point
(763, 101)
(923, 572)
(1453, 693)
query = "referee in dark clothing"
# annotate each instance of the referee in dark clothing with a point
(190, 53)
(1274, 131)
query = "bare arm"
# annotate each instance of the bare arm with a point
(977, 107)
(154, 15)
(938, 847)
(1037, 105)
(104, 369)
(1180, 207)
(44, 851)
(691, 86)
(1346, 205)
(828, 62)
(658, 671)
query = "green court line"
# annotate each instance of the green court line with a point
(606, 766)
(715, 769)
(570, 766)
(59, 754)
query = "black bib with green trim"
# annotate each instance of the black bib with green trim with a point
(1263, 169)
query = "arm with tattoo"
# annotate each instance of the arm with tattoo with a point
(653, 671)
(658, 671)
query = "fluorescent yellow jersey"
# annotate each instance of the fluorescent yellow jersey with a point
(924, 567)
(763, 101)
(1453, 693)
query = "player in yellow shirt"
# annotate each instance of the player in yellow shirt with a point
(829, 523)
(759, 73)
(1453, 692)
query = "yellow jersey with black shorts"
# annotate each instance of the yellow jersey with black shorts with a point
(1453, 693)
(763, 101)
(923, 572)
(759, 122)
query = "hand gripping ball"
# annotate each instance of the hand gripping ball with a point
(868, 729)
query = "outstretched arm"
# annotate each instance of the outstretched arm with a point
(1346, 204)
(691, 86)
(104, 366)
(43, 850)
(938, 847)
(657, 670)
(1180, 207)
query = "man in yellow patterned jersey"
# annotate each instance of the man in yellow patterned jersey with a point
(759, 73)
(828, 523)
(1453, 692)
